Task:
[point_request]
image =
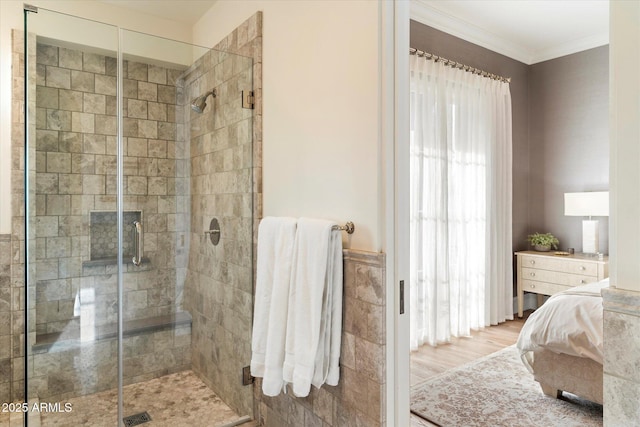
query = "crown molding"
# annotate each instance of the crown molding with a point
(429, 15)
(570, 47)
(425, 13)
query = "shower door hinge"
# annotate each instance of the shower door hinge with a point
(246, 376)
(30, 8)
(248, 100)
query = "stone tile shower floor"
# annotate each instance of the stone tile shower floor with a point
(174, 400)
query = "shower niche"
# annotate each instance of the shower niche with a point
(103, 242)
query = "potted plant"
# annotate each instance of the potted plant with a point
(543, 242)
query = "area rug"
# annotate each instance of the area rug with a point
(497, 390)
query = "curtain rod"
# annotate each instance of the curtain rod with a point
(445, 61)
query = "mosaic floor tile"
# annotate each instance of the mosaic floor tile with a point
(179, 399)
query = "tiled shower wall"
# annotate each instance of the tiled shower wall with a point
(76, 174)
(219, 288)
(74, 133)
(358, 399)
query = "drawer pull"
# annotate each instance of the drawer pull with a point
(532, 274)
(532, 262)
(583, 268)
(583, 281)
(532, 286)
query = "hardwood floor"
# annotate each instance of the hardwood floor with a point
(430, 361)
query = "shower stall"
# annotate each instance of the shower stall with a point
(138, 214)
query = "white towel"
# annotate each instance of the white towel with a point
(311, 344)
(276, 238)
(327, 367)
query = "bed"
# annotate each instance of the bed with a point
(561, 343)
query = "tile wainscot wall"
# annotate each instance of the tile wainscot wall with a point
(358, 399)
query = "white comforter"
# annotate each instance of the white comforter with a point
(569, 322)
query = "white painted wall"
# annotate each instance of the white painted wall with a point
(624, 75)
(321, 126)
(11, 16)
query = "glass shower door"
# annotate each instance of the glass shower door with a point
(188, 144)
(72, 138)
(139, 227)
(157, 328)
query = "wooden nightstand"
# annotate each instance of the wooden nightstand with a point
(544, 273)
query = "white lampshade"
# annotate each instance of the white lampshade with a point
(594, 203)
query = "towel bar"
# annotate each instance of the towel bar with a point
(349, 227)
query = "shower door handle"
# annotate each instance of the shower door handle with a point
(137, 242)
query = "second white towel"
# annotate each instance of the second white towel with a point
(314, 321)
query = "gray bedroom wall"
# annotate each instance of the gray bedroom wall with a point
(560, 131)
(439, 43)
(569, 140)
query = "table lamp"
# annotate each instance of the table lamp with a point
(588, 204)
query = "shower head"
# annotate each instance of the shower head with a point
(200, 103)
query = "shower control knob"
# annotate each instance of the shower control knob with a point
(214, 231)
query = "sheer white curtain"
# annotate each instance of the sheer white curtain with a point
(461, 259)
